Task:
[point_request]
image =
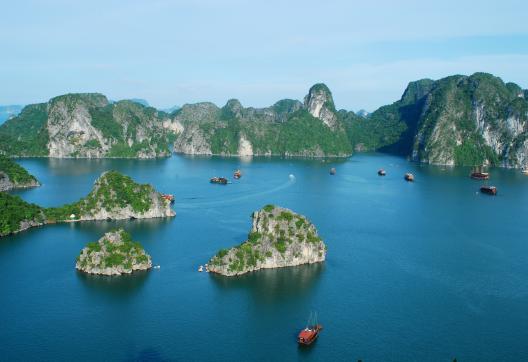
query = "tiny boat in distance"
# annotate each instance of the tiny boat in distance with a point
(200, 269)
(219, 180)
(332, 171)
(168, 197)
(237, 174)
(490, 190)
(310, 333)
(381, 172)
(409, 177)
(525, 170)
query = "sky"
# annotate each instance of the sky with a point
(176, 52)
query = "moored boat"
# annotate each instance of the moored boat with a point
(168, 197)
(237, 174)
(381, 172)
(490, 190)
(310, 333)
(409, 177)
(524, 170)
(219, 180)
(332, 171)
(479, 174)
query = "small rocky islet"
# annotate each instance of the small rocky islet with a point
(113, 254)
(278, 238)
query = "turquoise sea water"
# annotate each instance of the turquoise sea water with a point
(423, 271)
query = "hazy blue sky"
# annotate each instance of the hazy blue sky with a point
(175, 52)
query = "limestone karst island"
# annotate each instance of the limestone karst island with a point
(114, 196)
(264, 181)
(113, 254)
(278, 238)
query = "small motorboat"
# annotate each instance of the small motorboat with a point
(381, 172)
(332, 171)
(489, 190)
(237, 174)
(409, 177)
(200, 269)
(219, 180)
(524, 170)
(156, 266)
(168, 197)
(310, 333)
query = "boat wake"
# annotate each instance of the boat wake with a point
(232, 199)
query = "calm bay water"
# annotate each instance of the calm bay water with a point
(423, 271)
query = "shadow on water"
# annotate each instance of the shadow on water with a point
(118, 286)
(270, 285)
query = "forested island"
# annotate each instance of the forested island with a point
(114, 196)
(278, 238)
(113, 254)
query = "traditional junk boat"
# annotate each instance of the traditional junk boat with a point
(332, 171)
(381, 172)
(490, 190)
(219, 180)
(237, 174)
(409, 177)
(310, 333)
(168, 197)
(478, 174)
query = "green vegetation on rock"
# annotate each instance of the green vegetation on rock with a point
(86, 125)
(26, 134)
(114, 254)
(16, 173)
(114, 196)
(279, 237)
(457, 120)
(18, 214)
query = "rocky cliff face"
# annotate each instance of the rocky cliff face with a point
(70, 127)
(320, 104)
(117, 197)
(473, 120)
(278, 238)
(114, 254)
(457, 120)
(88, 126)
(288, 128)
(7, 184)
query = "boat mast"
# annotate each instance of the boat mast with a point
(309, 320)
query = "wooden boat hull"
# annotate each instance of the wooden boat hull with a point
(489, 190)
(479, 176)
(307, 337)
(218, 180)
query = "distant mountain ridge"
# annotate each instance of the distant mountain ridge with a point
(287, 128)
(457, 120)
